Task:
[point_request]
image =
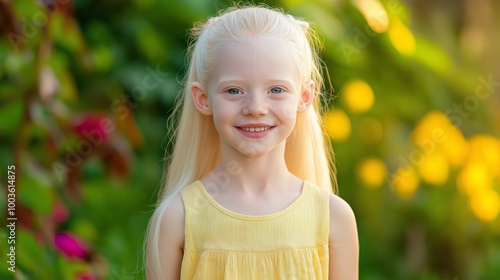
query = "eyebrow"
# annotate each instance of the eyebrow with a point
(271, 81)
(279, 81)
(228, 81)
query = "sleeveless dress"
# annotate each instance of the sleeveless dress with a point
(288, 244)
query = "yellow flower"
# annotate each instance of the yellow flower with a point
(455, 147)
(405, 182)
(401, 37)
(371, 172)
(485, 148)
(474, 177)
(358, 96)
(433, 126)
(498, 171)
(435, 132)
(485, 205)
(337, 125)
(434, 169)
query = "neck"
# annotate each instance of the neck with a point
(253, 174)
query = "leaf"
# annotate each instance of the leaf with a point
(29, 253)
(432, 56)
(11, 116)
(67, 89)
(66, 32)
(35, 191)
(150, 43)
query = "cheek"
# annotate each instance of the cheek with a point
(287, 111)
(223, 115)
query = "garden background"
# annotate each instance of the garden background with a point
(86, 88)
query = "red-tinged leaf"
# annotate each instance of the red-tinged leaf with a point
(117, 158)
(86, 276)
(25, 216)
(128, 127)
(73, 183)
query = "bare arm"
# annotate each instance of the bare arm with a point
(171, 241)
(343, 244)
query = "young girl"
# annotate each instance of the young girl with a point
(248, 192)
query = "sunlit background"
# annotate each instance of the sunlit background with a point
(412, 113)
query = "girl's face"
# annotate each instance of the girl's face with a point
(254, 94)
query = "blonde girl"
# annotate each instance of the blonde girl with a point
(248, 190)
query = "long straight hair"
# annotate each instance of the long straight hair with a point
(195, 142)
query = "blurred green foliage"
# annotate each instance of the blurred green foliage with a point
(86, 88)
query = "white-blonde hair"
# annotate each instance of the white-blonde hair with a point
(195, 143)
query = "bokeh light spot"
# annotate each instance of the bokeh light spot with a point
(337, 125)
(405, 182)
(371, 172)
(358, 96)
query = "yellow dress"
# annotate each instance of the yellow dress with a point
(288, 244)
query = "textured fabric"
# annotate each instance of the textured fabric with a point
(288, 244)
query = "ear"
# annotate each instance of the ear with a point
(200, 98)
(306, 97)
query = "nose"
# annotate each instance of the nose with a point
(254, 105)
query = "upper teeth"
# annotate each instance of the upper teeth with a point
(258, 129)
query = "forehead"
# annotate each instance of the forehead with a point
(260, 58)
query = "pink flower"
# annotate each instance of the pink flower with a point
(94, 127)
(60, 213)
(70, 245)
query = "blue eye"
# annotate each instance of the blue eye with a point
(233, 91)
(276, 90)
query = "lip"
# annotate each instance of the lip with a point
(255, 134)
(255, 125)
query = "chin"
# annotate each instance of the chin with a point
(256, 150)
(253, 153)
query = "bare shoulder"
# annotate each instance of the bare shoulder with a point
(175, 207)
(166, 261)
(172, 221)
(340, 211)
(342, 221)
(343, 241)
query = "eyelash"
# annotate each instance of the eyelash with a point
(239, 91)
(281, 90)
(229, 90)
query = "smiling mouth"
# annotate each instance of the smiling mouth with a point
(255, 129)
